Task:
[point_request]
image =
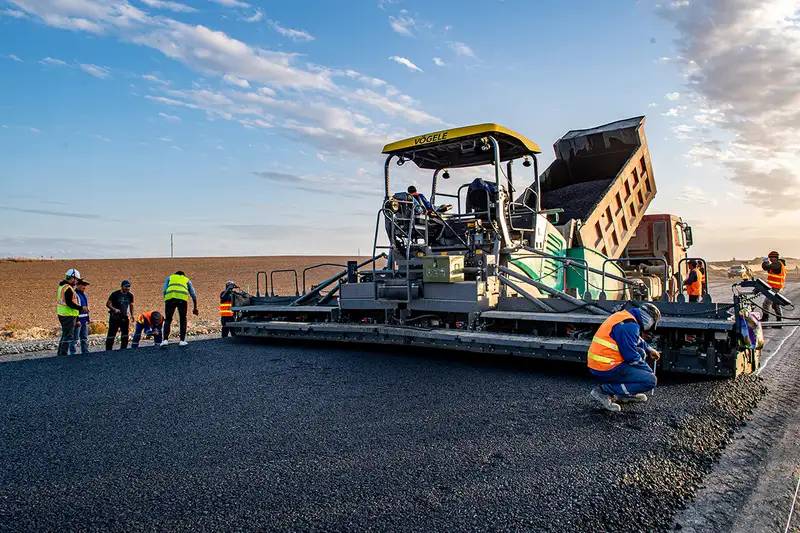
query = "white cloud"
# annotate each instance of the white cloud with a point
(13, 13)
(256, 17)
(403, 25)
(170, 101)
(95, 70)
(693, 194)
(313, 104)
(177, 149)
(672, 96)
(448, 27)
(321, 158)
(383, 3)
(675, 111)
(165, 139)
(652, 104)
(35, 130)
(405, 62)
(461, 49)
(400, 109)
(738, 61)
(214, 51)
(102, 138)
(295, 35)
(438, 62)
(255, 123)
(52, 61)
(171, 118)
(14, 58)
(233, 80)
(170, 6)
(231, 3)
(155, 79)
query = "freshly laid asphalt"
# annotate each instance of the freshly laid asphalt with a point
(224, 436)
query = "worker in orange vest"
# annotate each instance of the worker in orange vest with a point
(775, 267)
(150, 324)
(225, 304)
(694, 282)
(617, 357)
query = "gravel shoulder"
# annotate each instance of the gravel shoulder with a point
(752, 487)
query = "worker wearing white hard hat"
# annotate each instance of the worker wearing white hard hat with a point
(225, 304)
(68, 308)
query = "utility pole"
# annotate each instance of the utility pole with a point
(171, 246)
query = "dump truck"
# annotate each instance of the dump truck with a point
(529, 271)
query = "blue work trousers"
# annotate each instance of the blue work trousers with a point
(627, 379)
(82, 335)
(137, 335)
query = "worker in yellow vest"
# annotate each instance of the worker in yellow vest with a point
(68, 308)
(694, 282)
(775, 267)
(177, 290)
(617, 357)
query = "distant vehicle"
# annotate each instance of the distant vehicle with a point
(737, 271)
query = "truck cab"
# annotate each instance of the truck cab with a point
(659, 240)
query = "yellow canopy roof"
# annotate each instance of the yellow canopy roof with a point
(452, 149)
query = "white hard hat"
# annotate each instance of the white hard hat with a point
(72, 273)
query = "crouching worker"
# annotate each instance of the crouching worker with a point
(150, 324)
(617, 357)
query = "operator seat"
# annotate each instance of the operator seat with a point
(481, 197)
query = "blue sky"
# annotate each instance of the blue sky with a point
(255, 128)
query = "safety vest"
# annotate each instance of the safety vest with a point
(63, 308)
(604, 352)
(225, 304)
(177, 288)
(145, 317)
(695, 288)
(777, 281)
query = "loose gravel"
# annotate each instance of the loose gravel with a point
(253, 437)
(576, 200)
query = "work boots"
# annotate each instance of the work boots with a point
(606, 400)
(635, 398)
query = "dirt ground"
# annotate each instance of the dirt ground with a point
(28, 301)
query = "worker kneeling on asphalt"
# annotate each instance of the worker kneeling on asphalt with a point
(150, 324)
(617, 357)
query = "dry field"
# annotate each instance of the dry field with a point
(29, 296)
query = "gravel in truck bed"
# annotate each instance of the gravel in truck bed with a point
(576, 200)
(274, 437)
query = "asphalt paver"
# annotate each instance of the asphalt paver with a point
(274, 437)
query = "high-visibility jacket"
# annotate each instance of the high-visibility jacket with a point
(777, 281)
(695, 288)
(63, 308)
(146, 319)
(225, 303)
(604, 352)
(177, 288)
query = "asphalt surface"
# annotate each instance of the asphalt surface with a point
(753, 486)
(252, 437)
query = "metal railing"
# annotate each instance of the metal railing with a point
(272, 281)
(629, 259)
(306, 270)
(258, 284)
